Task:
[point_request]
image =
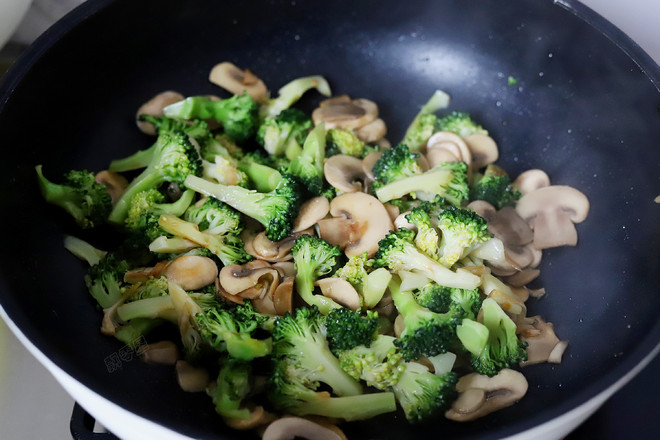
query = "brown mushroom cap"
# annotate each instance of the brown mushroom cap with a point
(480, 395)
(154, 107)
(551, 212)
(344, 172)
(483, 150)
(531, 180)
(237, 81)
(369, 215)
(343, 112)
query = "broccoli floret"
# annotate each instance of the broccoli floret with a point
(284, 134)
(346, 329)
(314, 257)
(461, 229)
(355, 270)
(303, 360)
(340, 141)
(426, 239)
(420, 130)
(226, 331)
(494, 344)
(147, 206)
(496, 190)
(379, 364)
(397, 251)
(395, 164)
(104, 280)
(276, 210)
(447, 179)
(219, 145)
(225, 171)
(87, 201)
(423, 394)
(307, 167)
(229, 248)
(460, 123)
(152, 288)
(231, 389)
(238, 115)
(426, 333)
(174, 159)
(465, 303)
(215, 217)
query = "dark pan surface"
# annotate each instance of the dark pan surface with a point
(582, 110)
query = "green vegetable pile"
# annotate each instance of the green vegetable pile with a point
(221, 171)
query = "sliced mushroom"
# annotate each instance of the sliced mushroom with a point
(483, 150)
(341, 291)
(368, 163)
(392, 210)
(258, 417)
(344, 172)
(480, 395)
(191, 272)
(286, 269)
(402, 222)
(260, 247)
(235, 280)
(191, 379)
(531, 180)
(453, 143)
(343, 112)
(339, 231)
(551, 212)
(311, 212)
(542, 341)
(154, 107)
(440, 155)
(114, 183)
(237, 81)
(370, 216)
(290, 428)
(372, 131)
(163, 352)
(283, 297)
(523, 277)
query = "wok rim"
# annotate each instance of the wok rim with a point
(635, 360)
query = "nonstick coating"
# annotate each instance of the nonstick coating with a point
(581, 109)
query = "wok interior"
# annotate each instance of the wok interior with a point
(581, 110)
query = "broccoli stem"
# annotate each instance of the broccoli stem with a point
(305, 287)
(146, 180)
(157, 307)
(360, 407)
(140, 159)
(431, 182)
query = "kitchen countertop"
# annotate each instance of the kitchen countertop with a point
(34, 406)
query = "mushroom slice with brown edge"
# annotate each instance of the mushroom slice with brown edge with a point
(290, 428)
(480, 395)
(237, 81)
(368, 164)
(191, 272)
(544, 345)
(345, 113)
(311, 212)
(531, 180)
(551, 212)
(482, 148)
(372, 132)
(341, 291)
(262, 248)
(283, 297)
(154, 107)
(235, 279)
(453, 143)
(370, 217)
(344, 172)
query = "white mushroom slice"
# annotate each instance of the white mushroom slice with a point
(402, 222)
(441, 154)
(154, 107)
(368, 163)
(372, 131)
(392, 210)
(191, 379)
(163, 352)
(551, 212)
(345, 113)
(235, 279)
(290, 428)
(260, 247)
(339, 231)
(541, 339)
(483, 150)
(310, 212)
(341, 291)
(285, 268)
(283, 297)
(191, 272)
(258, 418)
(531, 180)
(114, 183)
(370, 216)
(446, 139)
(237, 81)
(344, 172)
(523, 277)
(480, 395)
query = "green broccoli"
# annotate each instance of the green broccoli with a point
(379, 364)
(307, 167)
(87, 201)
(314, 257)
(227, 332)
(397, 251)
(147, 206)
(461, 230)
(104, 280)
(422, 127)
(214, 217)
(284, 134)
(494, 344)
(174, 159)
(460, 123)
(447, 179)
(495, 189)
(465, 303)
(346, 329)
(291, 92)
(238, 115)
(369, 283)
(276, 210)
(395, 164)
(231, 388)
(427, 239)
(303, 360)
(340, 141)
(261, 175)
(426, 333)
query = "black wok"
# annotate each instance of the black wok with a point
(583, 110)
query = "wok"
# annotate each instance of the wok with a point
(585, 109)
